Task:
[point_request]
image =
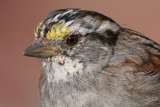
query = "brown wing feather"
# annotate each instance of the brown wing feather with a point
(137, 68)
(147, 73)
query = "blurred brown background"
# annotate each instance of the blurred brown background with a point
(19, 75)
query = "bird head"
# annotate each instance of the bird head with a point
(73, 33)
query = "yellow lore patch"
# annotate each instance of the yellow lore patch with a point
(36, 30)
(58, 31)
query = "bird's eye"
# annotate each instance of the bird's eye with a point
(72, 40)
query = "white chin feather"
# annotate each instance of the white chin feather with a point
(61, 68)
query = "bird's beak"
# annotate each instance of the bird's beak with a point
(41, 50)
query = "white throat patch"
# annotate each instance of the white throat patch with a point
(61, 68)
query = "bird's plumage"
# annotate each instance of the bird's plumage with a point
(91, 61)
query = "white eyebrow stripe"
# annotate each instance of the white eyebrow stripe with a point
(68, 11)
(71, 11)
(55, 19)
(69, 23)
(107, 25)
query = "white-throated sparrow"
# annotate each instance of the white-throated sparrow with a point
(90, 61)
